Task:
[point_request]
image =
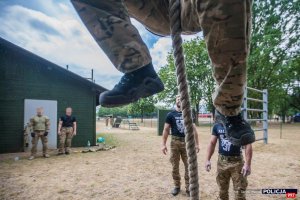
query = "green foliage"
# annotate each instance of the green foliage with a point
(198, 71)
(274, 43)
(118, 111)
(110, 139)
(273, 62)
(142, 107)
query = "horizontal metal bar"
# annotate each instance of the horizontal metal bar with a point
(260, 139)
(250, 120)
(258, 100)
(256, 90)
(260, 129)
(255, 110)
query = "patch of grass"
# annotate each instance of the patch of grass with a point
(109, 139)
(205, 125)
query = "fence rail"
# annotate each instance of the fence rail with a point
(264, 111)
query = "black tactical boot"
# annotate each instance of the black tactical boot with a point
(237, 130)
(175, 191)
(141, 83)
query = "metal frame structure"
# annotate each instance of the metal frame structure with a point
(264, 119)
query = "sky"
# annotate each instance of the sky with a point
(53, 30)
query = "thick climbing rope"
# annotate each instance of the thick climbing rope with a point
(184, 96)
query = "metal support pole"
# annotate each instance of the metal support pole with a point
(245, 114)
(265, 115)
(281, 129)
(210, 124)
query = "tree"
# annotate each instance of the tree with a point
(295, 86)
(142, 106)
(118, 111)
(199, 76)
(275, 41)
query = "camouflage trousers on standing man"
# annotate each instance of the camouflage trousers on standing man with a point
(35, 140)
(178, 151)
(230, 167)
(226, 26)
(65, 139)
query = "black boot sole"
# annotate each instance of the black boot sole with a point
(148, 87)
(246, 138)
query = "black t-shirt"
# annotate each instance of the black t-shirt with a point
(67, 121)
(226, 148)
(175, 119)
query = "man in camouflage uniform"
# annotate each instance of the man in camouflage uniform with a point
(226, 28)
(40, 125)
(230, 165)
(174, 123)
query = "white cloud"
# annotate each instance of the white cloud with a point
(62, 41)
(159, 52)
(162, 47)
(55, 32)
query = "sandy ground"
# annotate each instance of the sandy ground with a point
(136, 169)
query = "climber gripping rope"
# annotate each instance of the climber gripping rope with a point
(226, 28)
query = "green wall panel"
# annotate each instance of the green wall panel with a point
(161, 118)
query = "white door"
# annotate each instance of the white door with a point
(50, 110)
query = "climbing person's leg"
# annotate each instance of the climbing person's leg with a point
(109, 24)
(154, 15)
(226, 28)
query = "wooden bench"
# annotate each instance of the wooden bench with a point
(133, 126)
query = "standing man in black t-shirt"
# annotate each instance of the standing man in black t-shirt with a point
(174, 122)
(230, 165)
(67, 128)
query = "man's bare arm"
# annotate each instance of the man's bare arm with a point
(248, 154)
(196, 138)
(74, 128)
(59, 127)
(210, 151)
(248, 158)
(165, 135)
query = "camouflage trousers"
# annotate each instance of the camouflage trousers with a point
(178, 151)
(226, 26)
(231, 169)
(35, 140)
(65, 139)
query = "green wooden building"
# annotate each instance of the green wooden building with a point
(24, 75)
